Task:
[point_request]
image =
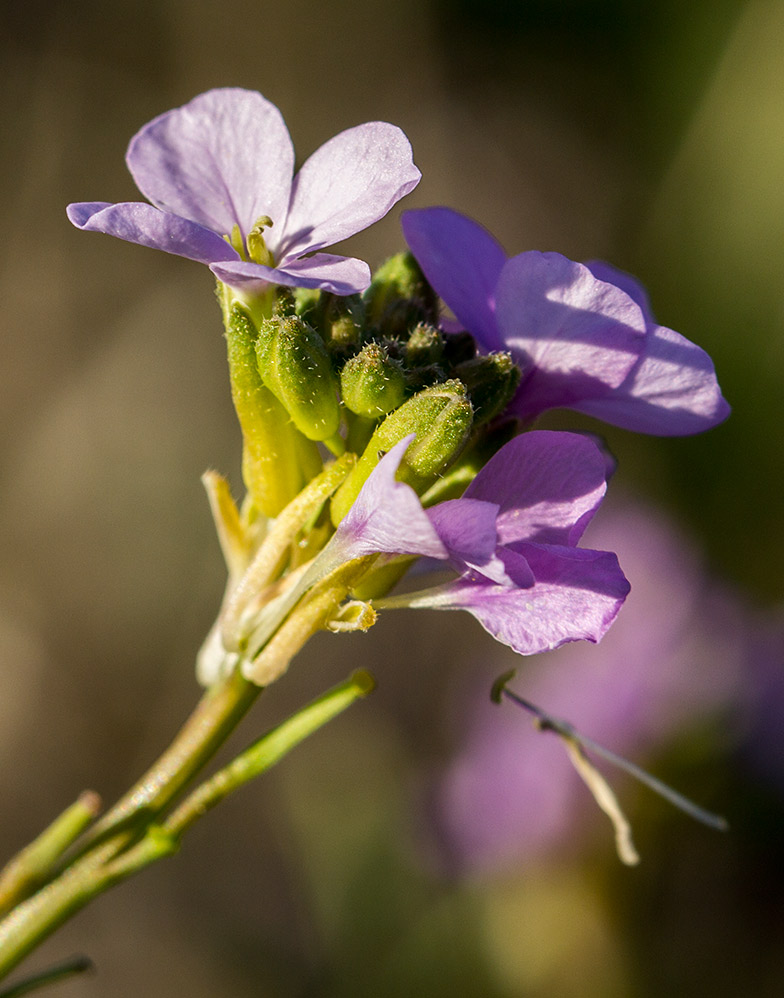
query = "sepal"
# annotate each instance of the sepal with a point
(440, 417)
(294, 364)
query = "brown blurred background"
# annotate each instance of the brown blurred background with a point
(650, 134)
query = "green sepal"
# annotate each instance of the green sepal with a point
(425, 346)
(275, 463)
(294, 364)
(491, 380)
(341, 321)
(399, 296)
(372, 383)
(441, 417)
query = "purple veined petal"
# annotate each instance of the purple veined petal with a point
(224, 158)
(672, 390)
(467, 527)
(341, 275)
(576, 596)
(138, 222)
(350, 182)
(387, 516)
(548, 485)
(575, 337)
(463, 263)
(626, 282)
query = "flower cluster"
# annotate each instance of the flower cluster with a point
(423, 414)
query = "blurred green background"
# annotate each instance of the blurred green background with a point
(648, 134)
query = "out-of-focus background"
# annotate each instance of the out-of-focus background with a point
(428, 843)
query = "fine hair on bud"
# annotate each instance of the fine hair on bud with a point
(372, 383)
(294, 364)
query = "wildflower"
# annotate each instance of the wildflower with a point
(583, 334)
(219, 175)
(512, 538)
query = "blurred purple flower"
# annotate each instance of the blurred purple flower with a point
(513, 539)
(219, 171)
(673, 659)
(583, 334)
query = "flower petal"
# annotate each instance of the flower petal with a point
(463, 263)
(577, 595)
(341, 275)
(575, 336)
(468, 529)
(138, 222)
(387, 516)
(224, 158)
(672, 390)
(548, 485)
(350, 182)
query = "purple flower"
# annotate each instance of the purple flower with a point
(219, 175)
(583, 334)
(512, 539)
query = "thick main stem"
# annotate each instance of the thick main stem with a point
(213, 720)
(35, 919)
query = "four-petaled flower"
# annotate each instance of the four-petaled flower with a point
(512, 538)
(583, 334)
(219, 175)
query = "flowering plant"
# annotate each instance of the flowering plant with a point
(376, 432)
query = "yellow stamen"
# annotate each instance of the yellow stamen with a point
(257, 248)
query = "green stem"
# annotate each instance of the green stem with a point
(213, 720)
(264, 753)
(33, 865)
(35, 919)
(106, 864)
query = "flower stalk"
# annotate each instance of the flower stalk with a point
(109, 860)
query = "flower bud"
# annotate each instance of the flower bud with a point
(491, 381)
(306, 301)
(294, 364)
(400, 295)
(340, 320)
(371, 383)
(425, 346)
(441, 417)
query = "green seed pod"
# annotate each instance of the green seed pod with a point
(441, 417)
(491, 381)
(294, 364)
(371, 383)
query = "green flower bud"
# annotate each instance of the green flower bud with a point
(294, 364)
(341, 321)
(371, 383)
(491, 381)
(398, 281)
(441, 417)
(306, 302)
(425, 346)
